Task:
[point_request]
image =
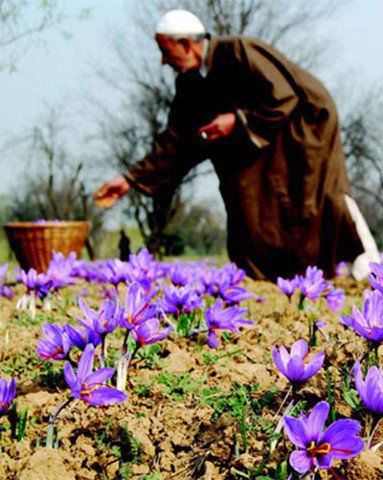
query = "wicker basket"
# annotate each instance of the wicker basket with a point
(34, 242)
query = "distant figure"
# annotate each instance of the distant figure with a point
(124, 246)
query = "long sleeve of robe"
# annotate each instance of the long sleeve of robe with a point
(282, 171)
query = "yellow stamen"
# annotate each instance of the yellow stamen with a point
(324, 449)
(311, 447)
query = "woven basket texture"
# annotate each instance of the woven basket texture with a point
(33, 242)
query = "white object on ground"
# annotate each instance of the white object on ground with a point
(360, 268)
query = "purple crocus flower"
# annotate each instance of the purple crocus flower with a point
(235, 275)
(313, 284)
(180, 275)
(39, 283)
(55, 345)
(220, 318)
(148, 332)
(3, 272)
(371, 389)
(114, 272)
(335, 299)
(7, 394)
(6, 292)
(138, 307)
(60, 270)
(342, 269)
(292, 365)
(90, 386)
(233, 294)
(144, 269)
(178, 300)
(105, 320)
(287, 286)
(369, 322)
(318, 448)
(376, 276)
(81, 337)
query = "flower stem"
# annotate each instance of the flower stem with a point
(335, 475)
(301, 305)
(279, 427)
(124, 348)
(123, 365)
(52, 419)
(283, 402)
(374, 428)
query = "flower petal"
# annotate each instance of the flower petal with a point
(300, 461)
(100, 376)
(295, 431)
(299, 349)
(315, 422)
(105, 396)
(85, 365)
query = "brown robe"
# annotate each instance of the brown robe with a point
(282, 171)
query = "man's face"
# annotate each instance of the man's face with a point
(179, 54)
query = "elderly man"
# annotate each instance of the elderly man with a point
(271, 131)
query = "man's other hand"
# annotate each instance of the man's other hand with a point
(110, 192)
(220, 127)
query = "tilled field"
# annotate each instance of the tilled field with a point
(191, 411)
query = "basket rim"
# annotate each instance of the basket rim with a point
(47, 224)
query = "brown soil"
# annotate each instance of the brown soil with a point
(172, 424)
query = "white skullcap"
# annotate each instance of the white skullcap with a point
(180, 22)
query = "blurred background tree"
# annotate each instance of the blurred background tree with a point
(55, 185)
(22, 23)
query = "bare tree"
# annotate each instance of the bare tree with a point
(362, 133)
(22, 23)
(55, 185)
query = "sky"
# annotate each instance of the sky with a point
(63, 69)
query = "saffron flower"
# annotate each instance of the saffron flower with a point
(287, 286)
(293, 365)
(148, 332)
(5, 291)
(376, 276)
(90, 386)
(318, 448)
(335, 299)
(313, 284)
(60, 270)
(371, 389)
(369, 322)
(233, 294)
(39, 283)
(55, 345)
(138, 307)
(142, 268)
(220, 318)
(7, 394)
(343, 269)
(105, 320)
(180, 275)
(81, 337)
(114, 272)
(178, 300)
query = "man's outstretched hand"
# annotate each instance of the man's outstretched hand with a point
(220, 127)
(110, 192)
